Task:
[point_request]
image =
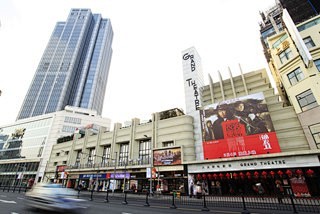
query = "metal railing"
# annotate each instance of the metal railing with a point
(286, 203)
(14, 188)
(210, 202)
(108, 164)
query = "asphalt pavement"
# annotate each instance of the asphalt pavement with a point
(13, 203)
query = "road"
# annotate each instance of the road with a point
(13, 203)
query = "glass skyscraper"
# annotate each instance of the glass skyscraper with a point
(74, 67)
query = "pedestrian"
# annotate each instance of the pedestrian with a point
(260, 190)
(199, 190)
(279, 191)
(191, 189)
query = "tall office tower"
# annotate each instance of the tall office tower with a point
(74, 67)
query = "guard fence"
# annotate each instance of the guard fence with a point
(242, 202)
(14, 188)
(174, 200)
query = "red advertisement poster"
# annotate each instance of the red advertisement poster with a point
(238, 127)
(299, 187)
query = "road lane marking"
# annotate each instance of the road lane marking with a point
(8, 202)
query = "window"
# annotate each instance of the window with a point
(77, 163)
(124, 153)
(64, 162)
(315, 132)
(285, 55)
(306, 100)
(317, 63)
(309, 42)
(145, 151)
(106, 155)
(66, 152)
(167, 144)
(55, 163)
(295, 76)
(91, 156)
(58, 154)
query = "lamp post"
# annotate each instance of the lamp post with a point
(24, 169)
(20, 176)
(124, 177)
(151, 160)
(125, 174)
(114, 174)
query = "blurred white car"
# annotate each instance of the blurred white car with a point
(56, 198)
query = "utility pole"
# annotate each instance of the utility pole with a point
(114, 174)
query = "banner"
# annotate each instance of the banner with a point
(238, 127)
(167, 157)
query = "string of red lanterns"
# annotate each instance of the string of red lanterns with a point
(256, 174)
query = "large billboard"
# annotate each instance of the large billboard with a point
(170, 156)
(238, 127)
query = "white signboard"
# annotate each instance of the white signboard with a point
(148, 173)
(295, 36)
(193, 79)
(256, 164)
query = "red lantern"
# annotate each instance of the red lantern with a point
(228, 175)
(272, 174)
(221, 175)
(248, 174)
(210, 177)
(204, 176)
(299, 172)
(289, 173)
(256, 174)
(215, 176)
(264, 174)
(241, 175)
(280, 173)
(235, 175)
(310, 172)
(198, 177)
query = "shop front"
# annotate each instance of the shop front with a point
(162, 180)
(169, 173)
(103, 181)
(297, 175)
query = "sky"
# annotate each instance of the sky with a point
(146, 74)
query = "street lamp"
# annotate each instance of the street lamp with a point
(125, 173)
(20, 176)
(114, 174)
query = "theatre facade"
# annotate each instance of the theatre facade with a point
(247, 138)
(298, 172)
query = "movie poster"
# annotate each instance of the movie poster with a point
(238, 127)
(167, 157)
(299, 187)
